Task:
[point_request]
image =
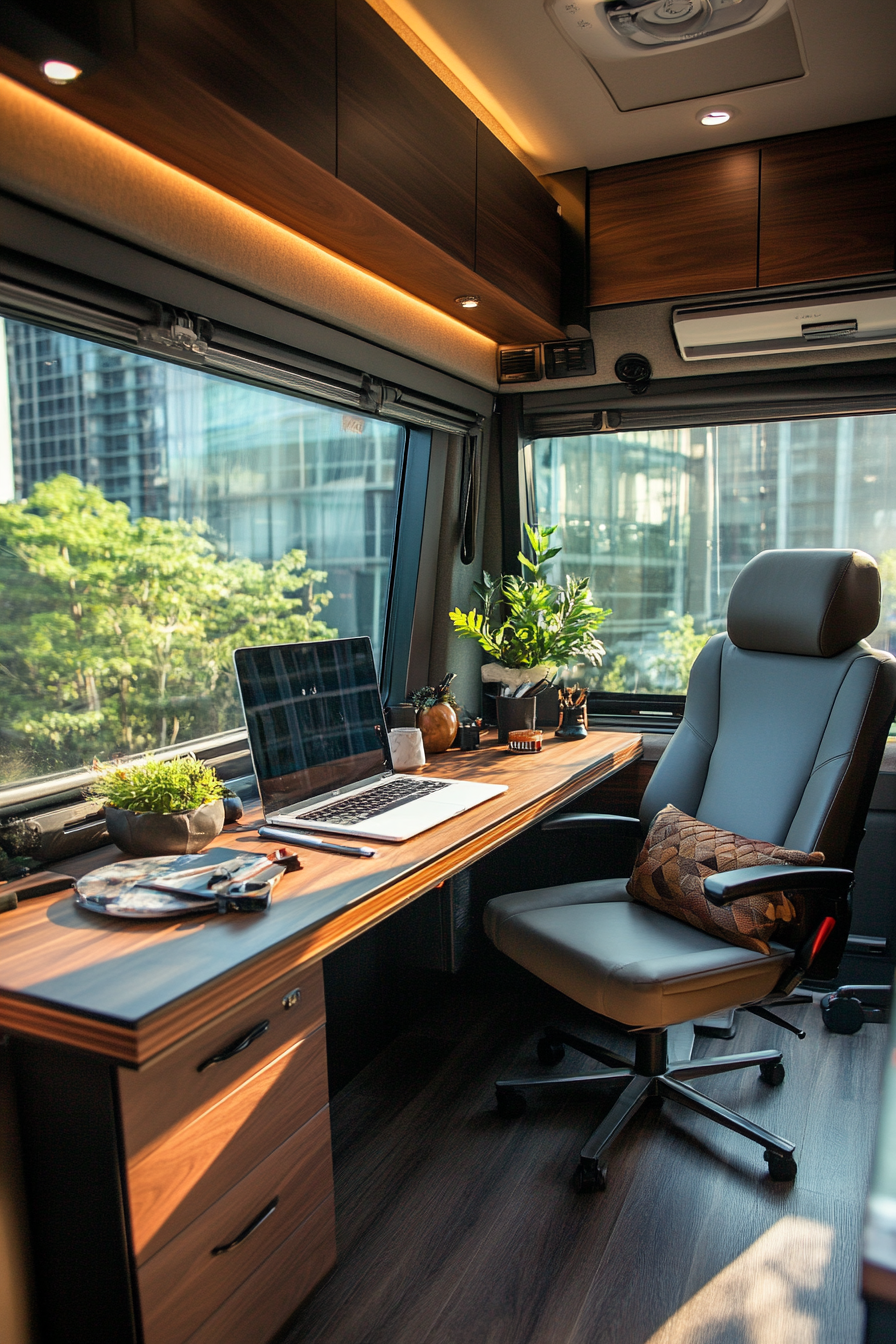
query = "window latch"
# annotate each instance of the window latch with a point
(182, 333)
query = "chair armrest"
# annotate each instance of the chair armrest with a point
(593, 821)
(722, 888)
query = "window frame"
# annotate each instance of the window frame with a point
(781, 395)
(93, 305)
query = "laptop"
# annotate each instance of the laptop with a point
(320, 748)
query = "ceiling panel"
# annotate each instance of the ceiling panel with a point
(512, 57)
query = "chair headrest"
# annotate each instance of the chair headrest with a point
(809, 602)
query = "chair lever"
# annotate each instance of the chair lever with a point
(777, 1021)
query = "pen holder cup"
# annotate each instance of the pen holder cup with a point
(513, 715)
(573, 723)
(406, 745)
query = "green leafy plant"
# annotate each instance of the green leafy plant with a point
(177, 785)
(526, 621)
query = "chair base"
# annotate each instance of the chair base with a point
(847, 1009)
(651, 1075)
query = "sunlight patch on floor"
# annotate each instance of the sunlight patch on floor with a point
(760, 1297)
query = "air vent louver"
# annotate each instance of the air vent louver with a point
(519, 364)
(568, 359)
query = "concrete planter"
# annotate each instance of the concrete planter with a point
(146, 834)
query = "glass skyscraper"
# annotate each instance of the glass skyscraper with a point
(267, 472)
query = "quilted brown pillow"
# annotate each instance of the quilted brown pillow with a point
(680, 852)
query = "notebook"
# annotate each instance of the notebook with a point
(320, 748)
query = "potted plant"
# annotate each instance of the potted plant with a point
(161, 806)
(529, 625)
(436, 715)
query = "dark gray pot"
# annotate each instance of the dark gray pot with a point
(149, 833)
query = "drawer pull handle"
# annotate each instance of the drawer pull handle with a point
(230, 1050)
(249, 1229)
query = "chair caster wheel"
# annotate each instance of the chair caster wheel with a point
(550, 1052)
(591, 1179)
(842, 1016)
(511, 1102)
(781, 1166)
(772, 1073)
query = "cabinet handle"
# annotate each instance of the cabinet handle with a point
(249, 1229)
(230, 1050)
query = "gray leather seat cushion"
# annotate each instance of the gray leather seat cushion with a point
(624, 960)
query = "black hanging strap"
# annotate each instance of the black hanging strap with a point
(468, 498)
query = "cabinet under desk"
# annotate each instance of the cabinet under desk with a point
(172, 1080)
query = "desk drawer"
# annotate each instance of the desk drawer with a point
(265, 1301)
(185, 1283)
(195, 1164)
(168, 1091)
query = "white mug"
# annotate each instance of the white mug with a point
(406, 745)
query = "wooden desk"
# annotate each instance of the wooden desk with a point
(145, 1153)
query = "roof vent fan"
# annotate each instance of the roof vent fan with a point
(519, 364)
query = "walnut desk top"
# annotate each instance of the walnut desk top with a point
(129, 990)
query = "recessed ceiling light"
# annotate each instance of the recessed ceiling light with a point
(60, 72)
(715, 116)
(468, 300)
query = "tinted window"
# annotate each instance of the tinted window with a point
(662, 521)
(154, 517)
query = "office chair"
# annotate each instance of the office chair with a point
(782, 737)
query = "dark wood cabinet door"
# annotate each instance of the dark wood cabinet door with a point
(828, 204)
(275, 63)
(674, 227)
(405, 141)
(517, 229)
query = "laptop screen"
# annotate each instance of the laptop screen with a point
(314, 717)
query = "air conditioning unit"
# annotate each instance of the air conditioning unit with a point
(778, 326)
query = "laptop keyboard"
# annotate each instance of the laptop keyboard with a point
(372, 803)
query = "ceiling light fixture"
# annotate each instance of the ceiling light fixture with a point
(468, 300)
(714, 116)
(59, 72)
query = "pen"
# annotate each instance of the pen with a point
(311, 842)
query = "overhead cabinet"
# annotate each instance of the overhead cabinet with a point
(828, 204)
(318, 115)
(674, 226)
(404, 140)
(819, 206)
(255, 60)
(517, 229)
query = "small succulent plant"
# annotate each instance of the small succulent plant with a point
(177, 785)
(427, 696)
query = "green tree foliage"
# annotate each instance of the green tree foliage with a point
(681, 644)
(616, 677)
(116, 633)
(887, 627)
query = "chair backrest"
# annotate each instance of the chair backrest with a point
(787, 714)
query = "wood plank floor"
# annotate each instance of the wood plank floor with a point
(456, 1227)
